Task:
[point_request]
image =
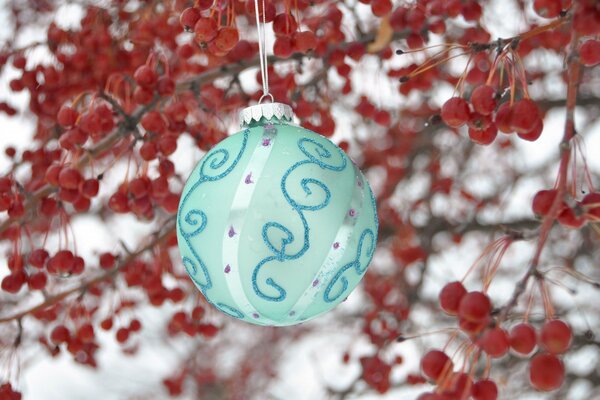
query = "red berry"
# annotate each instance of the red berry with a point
(198, 312)
(471, 11)
(534, 133)
(483, 99)
(525, 115)
(474, 307)
(89, 188)
(485, 390)
(118, 203)
(107, 260)
(226, 39)
(205, 30)
(569, 218)
(483, 136)
(122, 335)
(546, 372)
(381, 7)
(37, 281)
(135, 325)
(106, 324)
(165, 86)
(555, 336)
(456, 112)
(38, 258)
(60, 334)
(69, 178)
(145, 76)
(494, 342)
(148, 151)
(283, 47)
(523, 338)
(450, 297)
(503, 118)
(436, 363)
(542, 202)
(284, 24)
(13, 283)
(304, 41)
(86, 333)
(188, 18)
(67, 116)
(589, 52)
(143, 95)
(153, 121)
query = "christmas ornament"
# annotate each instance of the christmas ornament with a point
(276, 224)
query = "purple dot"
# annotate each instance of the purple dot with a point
(227, 268)
(255, 315)
(336, 245)
(359, 183)
(315, 282)
(248, 179)
(352, 212)
(266, 142)
(231, 232)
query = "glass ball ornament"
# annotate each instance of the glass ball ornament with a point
(276, 225)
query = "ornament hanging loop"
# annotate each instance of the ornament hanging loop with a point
(262, 50)
(264, 96)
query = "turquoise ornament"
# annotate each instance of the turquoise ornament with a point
(276, 224)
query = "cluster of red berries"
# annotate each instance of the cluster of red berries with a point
(485, 117)
(288, 39)
(72, 188)
(149, 277)
(162, 130)
(191, 324)
(583, 211)
(218, 40)
(80, 342)
(141, 194)
(366, 109)
(586, 13)
(473, 310)
(33, 271)
(428, 16)
(149, 83)
(97, 122)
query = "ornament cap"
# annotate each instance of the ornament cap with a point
(269, 111)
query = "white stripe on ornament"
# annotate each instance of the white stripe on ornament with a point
(336, 251)
(236, 221)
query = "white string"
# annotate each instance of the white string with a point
(262, 50)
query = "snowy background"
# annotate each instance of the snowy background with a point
(314, 362)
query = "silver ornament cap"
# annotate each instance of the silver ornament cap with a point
(269, 111)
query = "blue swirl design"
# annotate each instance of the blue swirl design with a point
(358, 265)
(231, 311)
(213, 168)
(318, 195)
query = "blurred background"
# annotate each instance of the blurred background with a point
(442, 200)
